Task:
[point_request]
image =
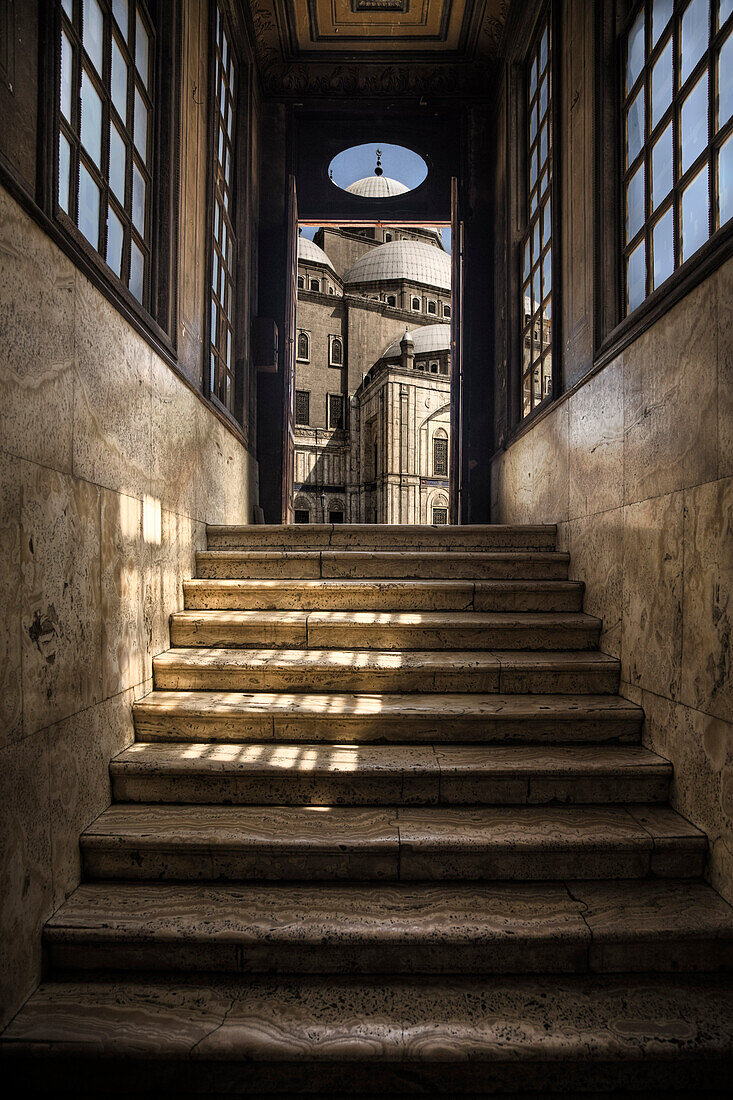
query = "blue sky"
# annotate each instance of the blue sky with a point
(399, 163)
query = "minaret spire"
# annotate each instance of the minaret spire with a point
(378, 169)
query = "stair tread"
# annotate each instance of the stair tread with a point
(221, 656)
(399, 618)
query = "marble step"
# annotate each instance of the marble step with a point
(409, 539)
(381, 565)
(505, 928)
(335, 1035)
(272, 773)
(324, 670)
(232, 716)
(359, 844)
(386, 630)
(375, 595)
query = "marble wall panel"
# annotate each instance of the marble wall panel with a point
(550, 467)
(724, 298)
(25, 861)
(172, 560)
(596, 557)
(61, 598)
(670, 400)
(37, 284)
(708, 598)
(175, 417)
(517, 476)
(112, 397)
(125, 563)
(224, 482)
(596, 443)
(11, 690)
(651, 641)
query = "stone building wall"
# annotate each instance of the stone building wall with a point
(636, 468)
(321, 316)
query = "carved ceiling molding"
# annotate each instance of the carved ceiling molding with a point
(356, 75)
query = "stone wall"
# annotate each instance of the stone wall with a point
(111, 467)
(636, 467)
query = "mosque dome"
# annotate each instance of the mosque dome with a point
(428, 339)
(311, 253)
(377, 187)
(418, 261)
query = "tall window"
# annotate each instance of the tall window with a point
(440, 515)
(536, 248)
(303, 347)
(440, 454)
(221, 336)
(678, 136)
(336, 350)
(335, 410)
(105, 132)
(302, 407)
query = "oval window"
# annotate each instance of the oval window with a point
(376, 171)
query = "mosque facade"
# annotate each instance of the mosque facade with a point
(372, 385)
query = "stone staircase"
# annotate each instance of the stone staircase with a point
(386, 826)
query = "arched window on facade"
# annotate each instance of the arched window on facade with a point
(302, 509)
(391, 300)
(416, 305)
(440, 453)
(387, 237)
(336, 511)
(315, 284)
(433, 368)
(304, 347)
(301, 282)
(336, 352)
(432, 308)
(446, 311)
(330, 289)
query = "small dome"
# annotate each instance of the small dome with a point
(431, 338)
(311, 253)
(418, 261)
(377, 187)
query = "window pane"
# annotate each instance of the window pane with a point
(543, 96)
(547, 375)
(546, 223)
(117, 164)
(725, 180)
(119, 80)
(115, 240)
(533, 77)
(635, 128)
(544, 45)
(66, 63)
(141, 125)
(635, 203)
(525, 269)
(547, 273)
(694, 35)
(636, 276)
(93, 32)
(725, 81)
(138, 200)
(662, 167)
(137, 269)
(91, 120)
(64, 171)
(694, 123)
(119, 10)
(660, 17)
(695, 214)
(662, 83)
(663, 247)
(142, 50)
(88, 220)
(635, 54)
(726, 7)
(68, 7)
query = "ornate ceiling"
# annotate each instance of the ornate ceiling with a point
(440, 47)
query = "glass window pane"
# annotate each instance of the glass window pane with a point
(547, 273)
(533, 115)
(543, 143)
(662, 83)
(536, 242)
(525, 268)
(68, 7)
(533, 77)
(544, 45)
(141, 125)
(546, 223)
(635, 215)
(66, 64)
(88, 220)
(725, 81)
(93, 32)
(694, 35)
(119, 81)
(533, 168)
(635, 51)
(725, 180)
(536, 289)
(726, 7)
(64, 172)
(663, 248)
(543, 95)
(117, 164)
(660, 17)
(119, 10)
(91, 120)
(142, 49)
(635, 127)
(547, 374)
(115, 240)
(137, 271)
(138, 200)
(695, 211)
(662, 167)
(636, 277)
(694, 123)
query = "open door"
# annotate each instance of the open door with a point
(288, 360)
(456, 356)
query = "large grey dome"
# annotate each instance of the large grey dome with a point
(311, 253)
(417, 261)
(377, 187)
(428, 339)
